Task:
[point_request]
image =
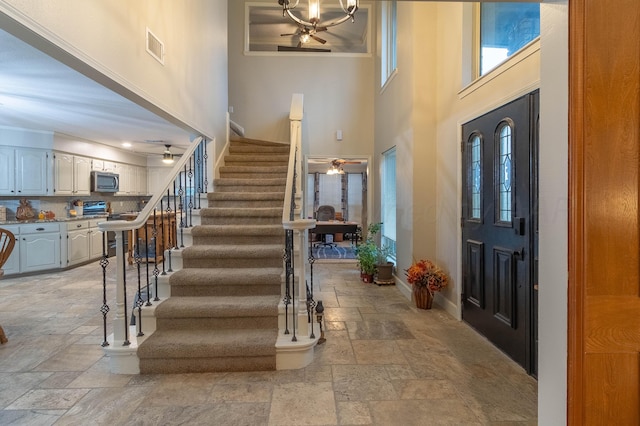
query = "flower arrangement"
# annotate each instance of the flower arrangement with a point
(426, 274)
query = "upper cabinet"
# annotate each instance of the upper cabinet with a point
(24, 171)
(72, 174)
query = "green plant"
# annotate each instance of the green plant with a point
(366, 253)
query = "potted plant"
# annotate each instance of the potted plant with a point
(366, 255)
(384, 268)
(426, 278)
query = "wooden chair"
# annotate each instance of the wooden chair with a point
(7, 242)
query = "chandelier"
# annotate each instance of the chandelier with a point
(314, 13)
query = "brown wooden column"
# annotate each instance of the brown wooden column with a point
(604, 237)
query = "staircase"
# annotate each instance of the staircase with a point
(223, 311)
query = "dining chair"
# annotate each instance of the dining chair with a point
(7, 243)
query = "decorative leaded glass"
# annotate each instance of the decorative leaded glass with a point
(505, 174)
(475, 186)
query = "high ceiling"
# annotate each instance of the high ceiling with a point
(39, 93)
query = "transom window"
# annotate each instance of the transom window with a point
(506, 28)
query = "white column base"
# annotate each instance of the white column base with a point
(294, 355)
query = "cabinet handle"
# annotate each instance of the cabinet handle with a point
(78, 226)
(39, 229)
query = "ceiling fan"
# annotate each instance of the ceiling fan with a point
(305, 35)
(337, 166)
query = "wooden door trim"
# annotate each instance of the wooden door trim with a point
(576, 243)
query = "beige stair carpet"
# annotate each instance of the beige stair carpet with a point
(222, 315)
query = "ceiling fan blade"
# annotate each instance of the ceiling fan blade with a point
(290, 34)
(318, 39)
(318, 29)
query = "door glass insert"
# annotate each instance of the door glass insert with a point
(475, 180)
(505, 174)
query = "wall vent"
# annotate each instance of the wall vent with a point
(155, 47)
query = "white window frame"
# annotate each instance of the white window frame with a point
(388, 42)
(388, 206)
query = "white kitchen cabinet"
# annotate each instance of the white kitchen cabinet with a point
(125, 172)
(24, 171)
(104, 166)
(39, 247)
(7, 171)
(95, 239)
(141, 181)
(12, 265)
(72, 174)
(77, 242)
(82, 175)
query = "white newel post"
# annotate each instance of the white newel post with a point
(120, 325)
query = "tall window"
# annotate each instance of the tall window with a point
(388, 56)
(389, 200)
(505, 28)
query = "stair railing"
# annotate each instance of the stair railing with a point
(298, 296)
(187, 179)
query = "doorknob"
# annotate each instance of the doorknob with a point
(519, 254)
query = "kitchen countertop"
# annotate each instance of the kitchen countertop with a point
(57, 219)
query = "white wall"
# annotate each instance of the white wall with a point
(110, 37)
(337, 94)
(554, 165)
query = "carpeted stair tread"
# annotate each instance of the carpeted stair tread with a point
(209, 343)
(225, 306)
(244, 141)
(235, 230)
(254, 169)
(251, 182)
(226, 277)
(256, 159)
(242, 196)
(256, 149)
(241, 212)
(248, 251)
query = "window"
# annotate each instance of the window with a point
(504, 173)
(506, 28)
(388, 56)
(389, 200)
(475, 177)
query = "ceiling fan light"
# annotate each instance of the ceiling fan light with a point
(167, 156)
(305, 38)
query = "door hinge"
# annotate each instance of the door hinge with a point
(462, 222)
(461, 146)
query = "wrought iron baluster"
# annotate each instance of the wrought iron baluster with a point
(170, 236)
(162, 230)
(191, 190)
(124, 286)
(156, 271)
(139, 300)
(104, 309)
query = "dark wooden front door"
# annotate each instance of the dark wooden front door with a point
(498, 232)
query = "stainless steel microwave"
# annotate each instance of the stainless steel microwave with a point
(105, 182)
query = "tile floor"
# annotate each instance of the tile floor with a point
(384, 363)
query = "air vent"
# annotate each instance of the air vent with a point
(155, 47)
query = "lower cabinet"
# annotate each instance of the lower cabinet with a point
(84, 241)
(39, 247)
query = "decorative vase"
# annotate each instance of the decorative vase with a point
(367, 278)
(423, 297)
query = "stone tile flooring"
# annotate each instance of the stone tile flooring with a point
(384, 363)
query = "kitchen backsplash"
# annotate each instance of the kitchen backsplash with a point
(60, 205)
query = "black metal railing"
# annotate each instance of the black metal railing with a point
(154, 236)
